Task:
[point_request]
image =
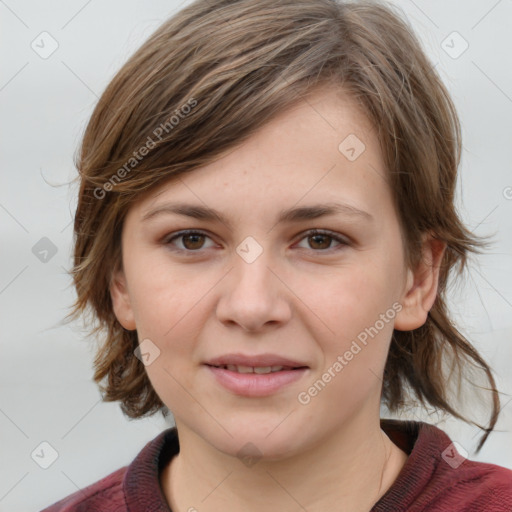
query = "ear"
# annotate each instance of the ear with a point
(121, 300)
(421, 288)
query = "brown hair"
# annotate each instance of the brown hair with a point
(209, 77)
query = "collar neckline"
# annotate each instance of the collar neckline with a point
(421, 441)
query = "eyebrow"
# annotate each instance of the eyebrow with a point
(289, 215)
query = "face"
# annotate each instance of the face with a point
(299, 270)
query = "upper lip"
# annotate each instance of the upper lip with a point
(258, 360)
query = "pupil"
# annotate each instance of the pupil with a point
(188, 237)
(324, 237)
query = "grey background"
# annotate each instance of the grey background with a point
(46, 388)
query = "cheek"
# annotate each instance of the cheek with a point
(164, 296)
(171, 309)
(347, 299)
(353, 318)
(359, 311)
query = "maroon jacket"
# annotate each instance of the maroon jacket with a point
(435, 478)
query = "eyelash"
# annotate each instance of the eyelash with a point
(343, 242)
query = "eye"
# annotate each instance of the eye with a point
(190, 240)
(321, 240)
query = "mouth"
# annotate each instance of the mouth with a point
(261, 370)
(257, 379)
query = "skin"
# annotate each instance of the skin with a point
(304, 297)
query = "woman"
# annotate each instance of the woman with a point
(264, 232)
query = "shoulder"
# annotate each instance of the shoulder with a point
(477, 486)
(135, 487)
(438, 476)
(464, 482)
(105, 495)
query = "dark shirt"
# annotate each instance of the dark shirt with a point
(435, 478)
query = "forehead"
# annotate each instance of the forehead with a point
(322, 149)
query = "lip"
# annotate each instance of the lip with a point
(254, 384)
(255, 360)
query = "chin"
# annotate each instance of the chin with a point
(254, 440)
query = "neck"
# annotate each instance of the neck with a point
(349, 471)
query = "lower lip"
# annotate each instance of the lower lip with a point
(255, 384)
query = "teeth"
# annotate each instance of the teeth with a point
(244, 369)
(253, 369)
(263, 369)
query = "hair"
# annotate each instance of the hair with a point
(205, 81)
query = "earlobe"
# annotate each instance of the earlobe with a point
(421, 288)
(121, 303)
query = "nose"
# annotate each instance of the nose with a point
(254, 296)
